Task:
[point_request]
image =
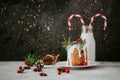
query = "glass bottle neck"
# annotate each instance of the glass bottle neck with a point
(87, 29)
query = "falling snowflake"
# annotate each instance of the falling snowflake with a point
(39, 5)
(27, 30)
(34, 17)
(30, 26)
(48, 28)
(18, 22)
(27, 6)
(28, 23)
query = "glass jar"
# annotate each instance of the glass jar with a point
(87, 34)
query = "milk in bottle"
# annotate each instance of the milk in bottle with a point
(90, 42)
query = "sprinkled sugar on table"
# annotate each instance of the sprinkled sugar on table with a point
(104, 71)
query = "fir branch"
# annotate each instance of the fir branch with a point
(31, 58)
(67, 43)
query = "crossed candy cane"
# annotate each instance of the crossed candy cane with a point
(91, 21)
(75, 15)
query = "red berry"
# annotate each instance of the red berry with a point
(20, 68)
(67, 70)
(84, 63)
(79, 39)
(59, 72)
(25, 62)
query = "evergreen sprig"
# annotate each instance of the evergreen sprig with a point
(31, 58)
(81, 44)
(68, 42)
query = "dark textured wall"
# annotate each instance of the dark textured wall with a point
(38, 26)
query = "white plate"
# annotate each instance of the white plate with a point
(90, 64)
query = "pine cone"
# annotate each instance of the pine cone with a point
(39, 64)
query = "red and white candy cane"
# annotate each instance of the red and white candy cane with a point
(96, 15)
(75, 15)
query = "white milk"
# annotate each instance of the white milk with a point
(90, 43)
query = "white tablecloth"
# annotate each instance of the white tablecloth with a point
(104, 71)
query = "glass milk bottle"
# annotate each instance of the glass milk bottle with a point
(90, 41)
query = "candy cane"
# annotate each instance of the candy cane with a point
(75, 15)
(96, 15)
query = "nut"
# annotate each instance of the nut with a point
(43, 74)
(61, 69)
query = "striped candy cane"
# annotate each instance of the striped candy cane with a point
(96, 15)
(75, 15)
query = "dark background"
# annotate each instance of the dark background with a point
(39, 26)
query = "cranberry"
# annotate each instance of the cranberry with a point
(25, 62)
(67, 70)
(84, 63)
(59, 72)
(20, 68)
(79, 40)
